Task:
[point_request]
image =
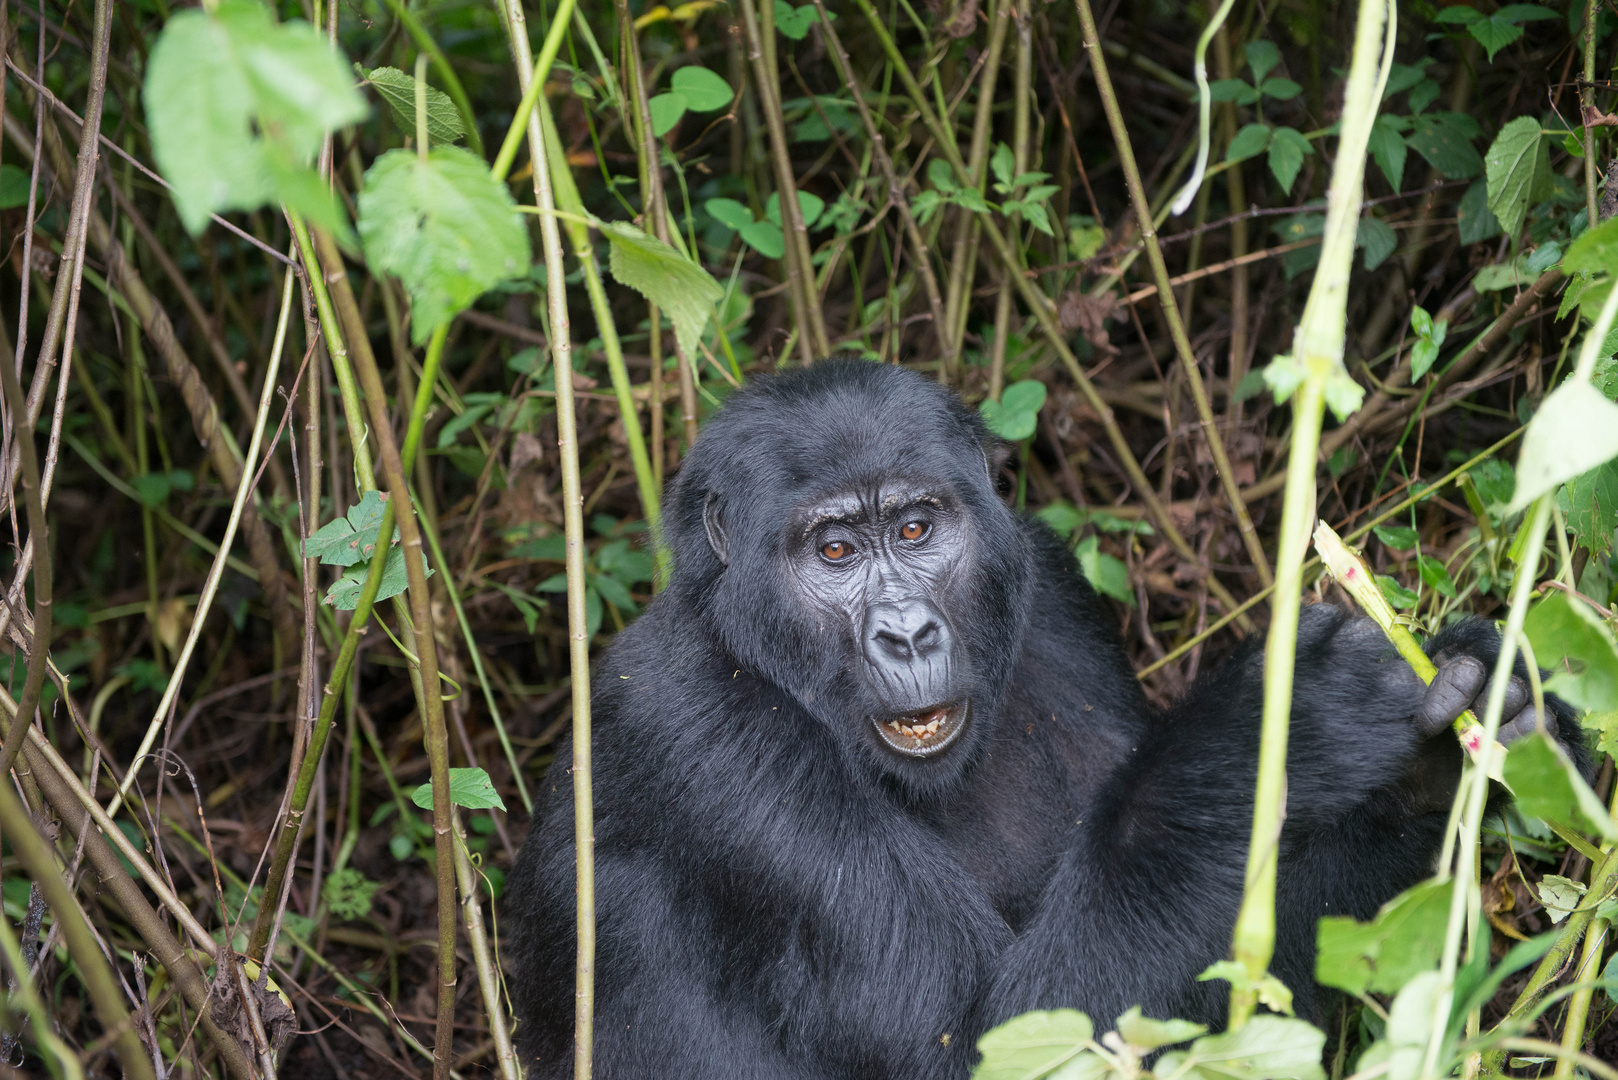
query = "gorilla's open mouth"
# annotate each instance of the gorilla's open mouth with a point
(924, 733)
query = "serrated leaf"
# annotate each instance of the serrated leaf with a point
(684, 291)
(1494, 34)
(348, 893)
(1515, 164)
(237, 105)
(1395, 593)
(1589, 503)
(1436, 576)
(1548, 786)
(1032, 1044)
(1388, 148)
(666, 109)
(1445, 141)
(1287, 150)
(445, 227)
(1595, 251)
(1382, 955)
(1560, 895)
(1267, 1047)
(344, 595)
(399, 91)
(1378, 240)
(1144, 1033)
(1262, 57)
(703, 90)
(470, 788)
(1578, 647)
(351, 538)
(1251, 141)
(1549, 457)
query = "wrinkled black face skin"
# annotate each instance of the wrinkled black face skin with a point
(861, 563)
(873, 773)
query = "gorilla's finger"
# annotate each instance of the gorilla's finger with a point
(1451, 691)
(1516, 698)
(1525, 723)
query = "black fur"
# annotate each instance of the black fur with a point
(780, 897)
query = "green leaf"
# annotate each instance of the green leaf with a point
(1015, 416)
(1377, 239)
(1422, 355)
(809, 206)
(1146, 1034)
(1436, 576)
(1251, 141)
(1589, 503)
(794, 22)
(729, 212)
(1062, 516)
(13, 187)
(1421, 322)
(1517, 167)
(1001, 163)
(1458, 14)
(470, 788)
(703, 90)
(1272, 993)
(941, 175)
(1595, 251)
(1238, 90)
(1262, 57)
(1445, 141)
(1578, 647)
(1549, 457)
(1548, 786)
(765, 238)
(445, 227)
(666, 109)
(1397, 537)
(1560, 895)
(1287, 150)
(1107, 574)
(616, 557)
(1388, 148)
(615, 593)
(684, 291)
(1396, 594)
(1382, 955)
(1474, 220)
(350, 539)
(344, 595)
(1494, 34)
(348, 893)
(399, 91)
(1267, 1047)
(1280, 89)
(1033, 1044)
(237, 105)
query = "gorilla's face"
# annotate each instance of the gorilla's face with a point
(842, 538)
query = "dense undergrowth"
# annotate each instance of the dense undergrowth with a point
(712, 179)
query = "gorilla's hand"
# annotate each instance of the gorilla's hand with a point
(1366, 728)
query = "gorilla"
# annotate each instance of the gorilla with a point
(873, 773)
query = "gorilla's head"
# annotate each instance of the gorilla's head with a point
(839, 530)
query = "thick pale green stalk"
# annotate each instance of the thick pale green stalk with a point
(567, 443)
(532, 75)
(1318, 350)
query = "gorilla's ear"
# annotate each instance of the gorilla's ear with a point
(996, 452)
(713, 520)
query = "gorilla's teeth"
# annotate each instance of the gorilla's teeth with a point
(932, 728)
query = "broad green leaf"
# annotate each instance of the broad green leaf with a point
(1458, 14)
(1033, 1044)
(1396, 594)
(809, 206)
(682, 289)
(1495, 481)
(1107, 574)
(1397, 537)
(1280, 89)
(344, 594)
(1268, 1047)
(1494, 34)
(1595, 251)
(1548, 786)
(399, 91)
(1445, 141)
(237, 105)
(1589, 503)
(765, 238)
(1382, 955)
(729, 212)
(1544, 257)
(1578, 647)
(1251, 141)
(470, 788)
(1001, 163)
(1436, 576)
(348, 893)
(615, 593)
(1560, 895)
(13, 187)
(1473, 218)
(351, 538)
(1518, 171)
(1026, 396)
(1144, 1033)
(1377, 239)
(1262, 57)
(666, 110)
(1549, 457)
(446, 228)
(1506, 275)
(1238, 90)
(1388, 148)
(616, 557)
(703, 90)
(794, 22)
(1410, 1025)
(1062, 516)
(1288, 148)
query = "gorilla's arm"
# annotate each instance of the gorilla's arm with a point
(1155, 867)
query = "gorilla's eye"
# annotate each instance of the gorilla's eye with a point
(835, 550)
(913, 530)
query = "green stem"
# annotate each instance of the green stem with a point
(452, 85)
(537, 73)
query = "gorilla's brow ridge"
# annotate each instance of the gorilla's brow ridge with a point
(855, 510)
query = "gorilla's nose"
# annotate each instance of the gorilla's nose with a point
(904, 633)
